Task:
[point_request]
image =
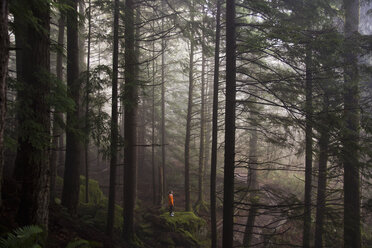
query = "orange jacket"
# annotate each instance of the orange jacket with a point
(170, 199)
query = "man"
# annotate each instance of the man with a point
(171, 203)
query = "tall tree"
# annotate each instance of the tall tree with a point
(4, 55)
(202, 125)
(352, 233)
(163, 152)
(130, 98)
(114, 122)
(189, 113)
(34, 128)
(74, 146)
(229, 160)
(87, 93)
(324, 129)
(215, 127)
(308, 146)
(253, 186)
(57, 130)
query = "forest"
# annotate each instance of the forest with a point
(185, 123)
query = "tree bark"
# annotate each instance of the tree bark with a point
(202, 127)
(74, 146)
(350, 142)
(215, 128)
(87, 92)
(34, 128)
(229, 166)
(162, 186)
(322, 178)
(188, 118)
(4, 56)
(252, 181)
(57, 130)
(130, 96)
(114, 123)
(308, 147)
(153, 129)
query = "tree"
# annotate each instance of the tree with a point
(352, 233)
(229, 160)
(34, 113)
(57, 130)
(74, 147)
(324, 127)
(4, 55)
(308, 145)
(215, 127)
(130, 112)
(114, 122)
(189, 113)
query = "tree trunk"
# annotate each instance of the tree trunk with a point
(57, 130)
(322, 178)
(153, 129)
(228, 199)
(252, 181)
(162, 181)
(352, 232)
(4, 55)
(202, 126)
(114, 123)
(215, 128)
(130, 96)
(34, 143)
(188, 118)
(308, 147)
(74, 146)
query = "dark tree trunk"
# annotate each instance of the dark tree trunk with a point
(114, 123)
(87, 92)
(34, 143)
(4, 56)
(188, 118)
(162, 180)
(308, 147)
(57, 130)
(153, 130)
(322, 178)
(252, 181)
(202, 128)
(130, 96)
(352, 232)
(74, 146)
(214, 128)
(228, 194)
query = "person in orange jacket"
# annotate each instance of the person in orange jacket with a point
(171, 203)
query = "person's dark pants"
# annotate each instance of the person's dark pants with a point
(171, 209)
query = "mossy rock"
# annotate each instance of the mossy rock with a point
(188, 228)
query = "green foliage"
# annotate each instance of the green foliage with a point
(24, 237)
(79, 243)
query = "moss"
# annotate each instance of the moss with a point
(192, 228)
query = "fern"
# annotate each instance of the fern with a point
(23, 237)
(79, 243)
